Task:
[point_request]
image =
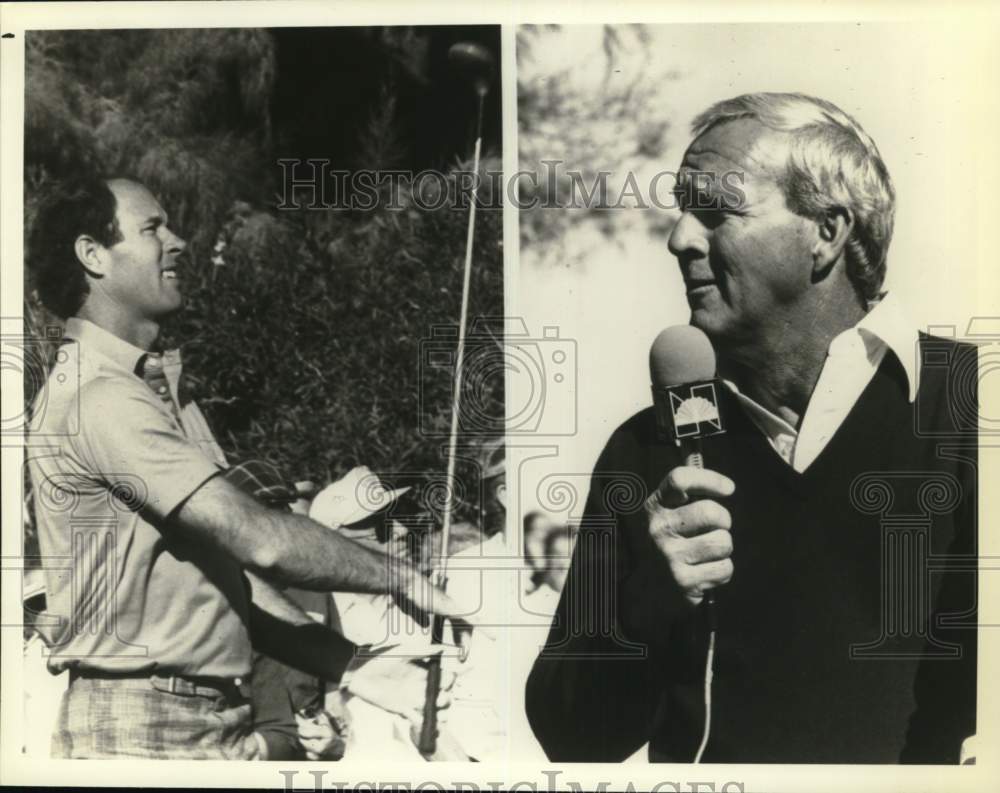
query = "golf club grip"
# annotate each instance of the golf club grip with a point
(428, 728)
(427, 744)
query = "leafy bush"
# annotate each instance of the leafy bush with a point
(311, 353)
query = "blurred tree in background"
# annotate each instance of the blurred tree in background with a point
(607, 110)
(301, 329)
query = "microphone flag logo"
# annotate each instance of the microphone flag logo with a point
(688, 411)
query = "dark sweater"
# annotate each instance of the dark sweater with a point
(807, 668)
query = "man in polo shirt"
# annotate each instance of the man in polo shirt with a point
(835, 533)
(157, 569)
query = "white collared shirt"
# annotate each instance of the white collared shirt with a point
(851, 362)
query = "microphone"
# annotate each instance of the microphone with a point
(682, 372)
(685, 400)
(686, 404)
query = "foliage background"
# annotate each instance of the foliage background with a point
(302, 329)
(608, 110)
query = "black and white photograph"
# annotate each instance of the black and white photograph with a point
(494, 397)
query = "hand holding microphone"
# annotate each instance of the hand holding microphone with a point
(689, 526)
(691, 529)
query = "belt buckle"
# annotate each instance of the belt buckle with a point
(181, 687)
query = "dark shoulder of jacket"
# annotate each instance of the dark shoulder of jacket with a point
(947, 397)
(632, 463)
(628, 442)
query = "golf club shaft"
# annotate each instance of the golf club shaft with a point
(460, 351)
(428, 730)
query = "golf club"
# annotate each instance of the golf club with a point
(476, 64)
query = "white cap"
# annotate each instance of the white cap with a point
(354, 497)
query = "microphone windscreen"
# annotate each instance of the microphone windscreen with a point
(681, 354)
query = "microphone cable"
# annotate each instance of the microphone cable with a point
(696, 460)
(709, 674)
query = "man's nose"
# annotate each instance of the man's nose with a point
(175, 244)
(688, 237)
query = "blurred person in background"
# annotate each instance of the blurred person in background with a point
(358, 506)
(472, 727)
(558, 552)
(555, 561)
(537, 527)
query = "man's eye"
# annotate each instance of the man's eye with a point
(709, 216)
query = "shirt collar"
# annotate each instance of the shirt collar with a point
(93, 338)
(886, 322)
(772, 424)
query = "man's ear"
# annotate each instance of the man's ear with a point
(90, 253)
(833, 229)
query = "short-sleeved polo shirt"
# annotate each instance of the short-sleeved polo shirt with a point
(109, 461)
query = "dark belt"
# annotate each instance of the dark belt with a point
(182, 685)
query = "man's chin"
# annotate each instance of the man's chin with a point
(164, 314)
(708, 322)
(173, 307)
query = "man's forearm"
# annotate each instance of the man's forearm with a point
(310, 556)
(286, 548)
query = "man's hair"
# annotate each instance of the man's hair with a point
(82, 206)
(832, 162)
